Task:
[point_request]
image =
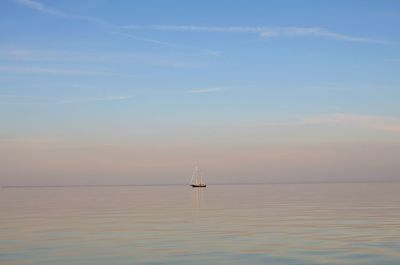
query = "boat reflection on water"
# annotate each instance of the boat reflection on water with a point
(198, 198)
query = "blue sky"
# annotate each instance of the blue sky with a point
(161, 85)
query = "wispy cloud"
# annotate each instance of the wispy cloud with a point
(135, 37)
(94, 99)
(34, 100)
(385, 123)
(314, 32)
(113, 29)
(374, 122)
(206, 90)
(40, 7)
(265, 32)
(52, 71)
(211, 52)
(16, 55)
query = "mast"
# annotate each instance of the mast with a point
(197, 175)
(195, 178)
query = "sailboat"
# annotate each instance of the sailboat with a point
(197, 179)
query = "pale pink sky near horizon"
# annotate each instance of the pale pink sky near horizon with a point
(317, 149)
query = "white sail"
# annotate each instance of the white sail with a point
(197, 178)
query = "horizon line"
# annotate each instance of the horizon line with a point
(180, 184)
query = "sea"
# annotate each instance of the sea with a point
(314, 223)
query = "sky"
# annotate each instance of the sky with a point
(98, 92)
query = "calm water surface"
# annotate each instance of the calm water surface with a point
(243, 224)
